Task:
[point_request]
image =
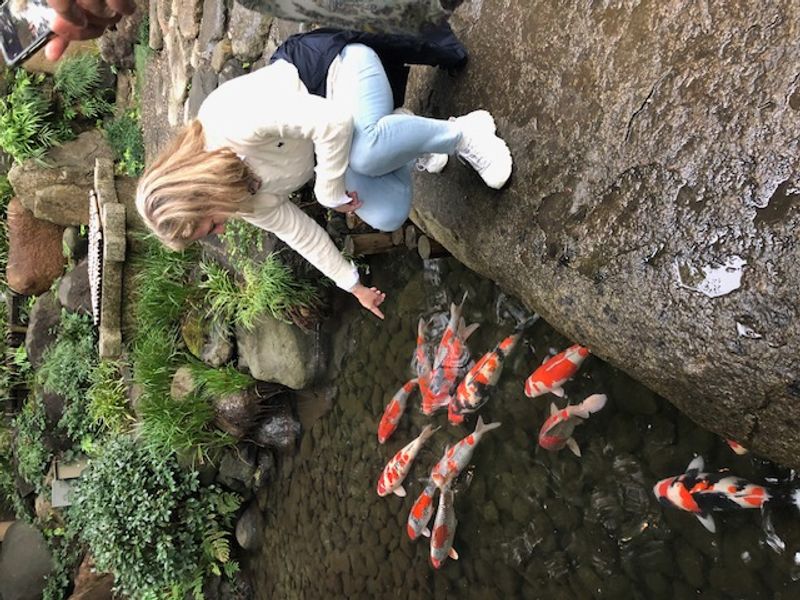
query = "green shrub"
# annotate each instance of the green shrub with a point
(217, 382)
(32, 455)
(108, 398)
(66, 370)
(77, 82)
(150, 523)
(124, 135)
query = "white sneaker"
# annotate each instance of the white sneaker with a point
(433, 162)
(482, 149)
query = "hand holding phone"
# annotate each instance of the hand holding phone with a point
(83, 20)
(24, 28)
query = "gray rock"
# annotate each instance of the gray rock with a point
(187, 13)
(626, 199)
(73, 290)
(178, 51)
(250, 528)
(265, 469)
(279, 352)
(218, 347)
(75, 246)
(231, 70)
(236, 469)
(116, 45)
(59, 191)
(248, 31)
(42, 327)
(279, 430)
(155, 36)
(221, 53)
(24, 563)
(204, 81)
(183, 383)
(212, 25)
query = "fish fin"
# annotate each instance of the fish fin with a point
(453, 554)
(697, 465)
(400, 491)
(481, 427)
(594, 403)
(426, 532)
(468, 331)
(558, 392)
(707, 520)
(527, 322)
(553, 408)
(573, 445)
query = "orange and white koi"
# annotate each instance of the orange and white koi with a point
(395, 471)
(422, 362)
(444, 529)
(556, 432)
(554, 373)
(473, 391)
(700, 493)
(452, 361)
(457, 457)
(737, 447)
(394, 410)
(421, 513)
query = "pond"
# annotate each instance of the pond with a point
(531, 523)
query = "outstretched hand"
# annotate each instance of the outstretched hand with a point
(83, 20)
(351, 206)
(369, 298)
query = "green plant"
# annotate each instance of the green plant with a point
(266, 288)
(220, 381)
(77, 82)
(242, 241)
(124, 135)
(26, 127)
(32, 455)
(67, 552)
(150, 523)
(107, 398)
(66, 370)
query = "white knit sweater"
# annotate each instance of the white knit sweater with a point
(272, 122)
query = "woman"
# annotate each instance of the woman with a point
(255, 141)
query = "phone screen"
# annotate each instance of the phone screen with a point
(24, 27)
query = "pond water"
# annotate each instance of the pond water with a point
(531, 523)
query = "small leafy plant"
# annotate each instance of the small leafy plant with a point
(32, 455)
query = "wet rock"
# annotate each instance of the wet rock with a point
(237, 468)
(42, 327)
(35, 257)
(278, 430)
(237, 413)
(279, 352)
(74, 292)
(691, 564)
(74, 246)
(250, 528)
(623, 434)
(24, 563)
(621, 217)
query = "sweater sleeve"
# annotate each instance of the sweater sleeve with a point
(308, 239)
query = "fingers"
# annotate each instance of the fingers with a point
(55, 48)
(70, 11)
(125, 7)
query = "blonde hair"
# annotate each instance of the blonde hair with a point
(188, 183)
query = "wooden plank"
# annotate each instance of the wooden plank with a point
(363, 244)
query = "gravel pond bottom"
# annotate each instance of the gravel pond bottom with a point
(531, 523)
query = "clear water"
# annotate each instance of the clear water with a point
(531, 524)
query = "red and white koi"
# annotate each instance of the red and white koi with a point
(556, 432)
(457, 457)
(473, 391)
(554, 372)
(421, 513)
(394, 410)
(700, 493)
(444, 529)
(395, 471)
(737, 447)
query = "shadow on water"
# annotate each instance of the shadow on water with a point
(531, 523)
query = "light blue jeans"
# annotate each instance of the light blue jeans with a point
(385, 145)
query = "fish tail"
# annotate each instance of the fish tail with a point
(529, 322)
(594, 403)
(482, 427)
(428, 431)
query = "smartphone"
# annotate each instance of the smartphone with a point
(24, 28)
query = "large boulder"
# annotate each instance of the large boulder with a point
(35, 258)
(58, 189)
(24, 563)
(654, 207)
(280, 352)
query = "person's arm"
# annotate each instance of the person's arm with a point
(83, 20)
(307, 238)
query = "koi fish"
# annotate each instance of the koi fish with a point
(700, 493)
(444, 529)
(737, 447)
(452, 361)
(553, 373)
(421, 361)
(557, 429)
(394, 410)
(395, 471)
(421, 513)
(473, 391)
(457, 457)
